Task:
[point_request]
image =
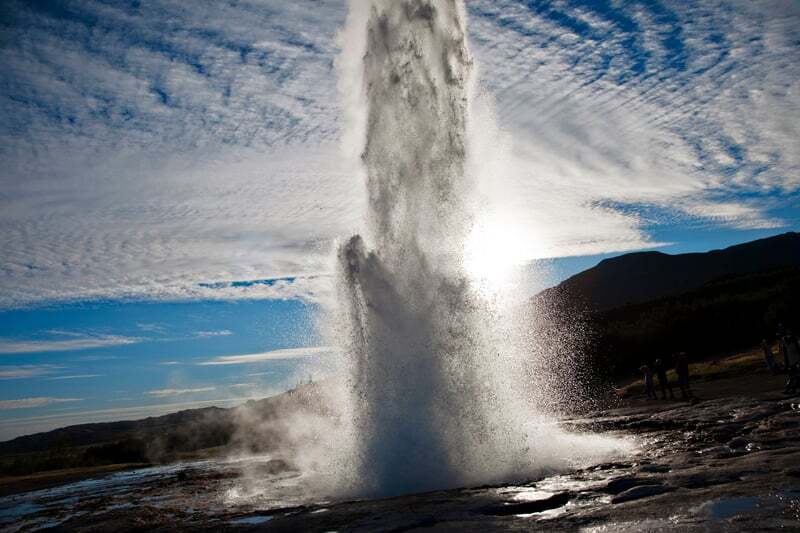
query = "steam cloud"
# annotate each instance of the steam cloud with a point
(441, 378)
(435, 379)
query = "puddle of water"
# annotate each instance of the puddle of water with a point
(526, 494)
(12, 512)
(251, 520)
(117, 506)
(633, 527)
(728, 507)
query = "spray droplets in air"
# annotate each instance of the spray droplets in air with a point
(440, 380)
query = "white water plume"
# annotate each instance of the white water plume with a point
(441, 376)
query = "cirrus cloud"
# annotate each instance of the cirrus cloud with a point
(274, 355)
(26, 371)
(169, 153)
(28, 403)
(9, 346)
(163, 393)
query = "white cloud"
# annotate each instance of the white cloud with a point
(167, 148)
(75, 376)
(663, 106)
(94, 358)
(151, 328)
(220, 333)
(26, 371)
(170, 239)
(250, 74)
(162, 393)
(214, 117)
(9, 346)
(275, 355)
(27, 403)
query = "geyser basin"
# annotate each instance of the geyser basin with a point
(445, 384)
(701, 482)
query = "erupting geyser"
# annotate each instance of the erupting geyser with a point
(438, 384)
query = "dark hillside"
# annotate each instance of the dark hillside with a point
(730, 314)
(89, 434)
(645, 276)
(253, 426)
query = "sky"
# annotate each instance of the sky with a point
(173, 182)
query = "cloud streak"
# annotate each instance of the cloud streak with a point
(164, 393)
(26, 371)
(75, 376)
(28, 403)
(275, 355)
(10, 347)
(210, 334)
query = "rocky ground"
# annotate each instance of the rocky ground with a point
(721, 464)
(728, 462)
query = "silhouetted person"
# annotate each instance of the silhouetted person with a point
(793, 382)
(663, 382)
(787, 345)
(769, 359)
(791, 355)
(682, 369)
(649, 386)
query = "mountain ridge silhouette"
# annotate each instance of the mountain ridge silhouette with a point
(644, 276)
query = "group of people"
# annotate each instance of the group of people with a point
(659, 370)
(789, 351)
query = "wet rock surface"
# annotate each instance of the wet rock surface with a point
(641, 491)
(726, 464)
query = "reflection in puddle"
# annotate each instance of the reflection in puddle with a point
(525, 494)
(251, 520)
(727, 508)
(10, 510)
(651, 525)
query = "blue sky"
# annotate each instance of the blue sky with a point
(155, 154)
(135, 359)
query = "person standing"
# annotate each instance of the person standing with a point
(790, 351)
(769, 359)
(682, 369)
(649, 386)
(791, 355)
(663, 381)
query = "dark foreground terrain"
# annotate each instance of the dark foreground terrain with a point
(730, 462)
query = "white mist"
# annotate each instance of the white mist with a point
(445, 384)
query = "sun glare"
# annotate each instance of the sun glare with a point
(494, 252)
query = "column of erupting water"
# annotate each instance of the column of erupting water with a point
(422, 403)
(439, 391)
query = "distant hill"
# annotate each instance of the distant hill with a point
(638, 307)
(90, 434)
(645, 276)
(252, 426)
